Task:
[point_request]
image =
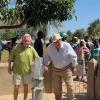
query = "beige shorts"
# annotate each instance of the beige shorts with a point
(21, 79)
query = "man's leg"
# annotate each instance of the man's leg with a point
(26, 81)
(0, 54)
(68, 78)
(16, 82)
(57, 87)
(16, 89)
(25, 91)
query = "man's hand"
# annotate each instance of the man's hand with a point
(74, 70)
(45, 69)
(9, 70)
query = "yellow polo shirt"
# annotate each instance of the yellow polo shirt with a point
(22, 58)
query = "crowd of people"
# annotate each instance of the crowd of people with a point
(67, 59)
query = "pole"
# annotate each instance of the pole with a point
(37, 90)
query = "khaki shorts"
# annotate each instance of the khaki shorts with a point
(22, 79)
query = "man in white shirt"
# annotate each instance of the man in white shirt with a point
(64, 61)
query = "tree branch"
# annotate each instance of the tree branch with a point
(14, 26)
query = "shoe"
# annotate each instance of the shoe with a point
(83, 79)
(76, 79)
(73, 99)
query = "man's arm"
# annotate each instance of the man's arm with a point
(11, 59)
(9, 67)
(46, 61)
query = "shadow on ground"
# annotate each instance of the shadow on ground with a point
(81, 96)
(78, 96)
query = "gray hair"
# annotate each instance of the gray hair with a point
(26, 35)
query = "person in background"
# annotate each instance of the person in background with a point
(50, 41)
(99, 41)
(11, 44)
(95, 52)
(97, 70)
(38, 44)
(22, 56)
(64, 61)
(74, 42)
(88, 42)
(82, 51)
(64, 36)
(1, 49)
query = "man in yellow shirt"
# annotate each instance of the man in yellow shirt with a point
(22, 56)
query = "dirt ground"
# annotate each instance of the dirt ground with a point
(6, 88)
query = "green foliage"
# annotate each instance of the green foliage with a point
(8, 34)
(94, 29)
(42, 11)
(10, 16)
(1, 35)
(36, 12)
(80, 33)
(3, 4)
(69, 36)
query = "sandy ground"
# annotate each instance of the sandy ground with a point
(6, 87)
(20, 97)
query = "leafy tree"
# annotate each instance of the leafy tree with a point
(6, 13)
(80, 33)
(69, 36)
(3, 4)
(9, 34)
(36, 12)
(94, 29)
